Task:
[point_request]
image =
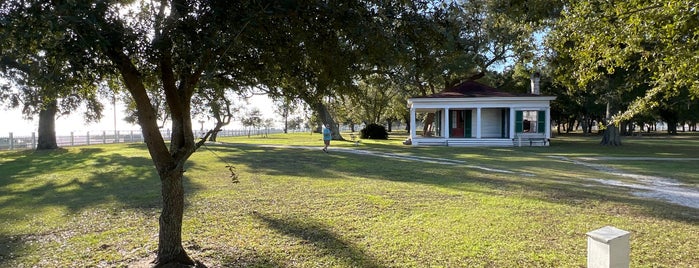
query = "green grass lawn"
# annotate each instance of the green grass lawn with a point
(97, 206)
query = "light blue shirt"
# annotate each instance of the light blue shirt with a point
(327, 134)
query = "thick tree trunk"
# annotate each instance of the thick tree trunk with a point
(569, 124)
(47, 127)
(407, 121)
(168, 162)
(170, 248)
(558, 127)
(327, 119)
(427, 125)
(672, 127)
(213, 136)
(171, 253)
(216, 130)
(671, 118)
(611, 136)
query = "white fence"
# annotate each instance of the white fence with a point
(15, 142)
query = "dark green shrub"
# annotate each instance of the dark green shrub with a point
(374, 131)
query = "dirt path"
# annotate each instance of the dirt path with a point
(660, 188)
(406, 157)
(617, 158)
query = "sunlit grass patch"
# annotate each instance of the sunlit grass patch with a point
(297, 206)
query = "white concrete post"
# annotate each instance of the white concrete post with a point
(72, 139)
(12, 141)
(608, 247)
(88, 138)
(33, 140)
(519, 141)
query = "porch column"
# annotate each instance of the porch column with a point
(478, 123)
(512, 123)
(548, 122)
(446, 129)
(412, 123)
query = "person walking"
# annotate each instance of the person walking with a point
(327, 136)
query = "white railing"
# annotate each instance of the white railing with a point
(16, 142)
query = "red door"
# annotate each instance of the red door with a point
(456, 124)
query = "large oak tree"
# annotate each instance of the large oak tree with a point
(42, 77)
(173, 41)
(628, 46)
(170, 46)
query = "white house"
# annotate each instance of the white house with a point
(473, 114)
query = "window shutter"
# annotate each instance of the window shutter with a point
(467, 123)
(519, 118)
(541, 121)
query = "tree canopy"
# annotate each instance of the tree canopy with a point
(42, 77)
(638, 55)
(308, 49)
(643, 50)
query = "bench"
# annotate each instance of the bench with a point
(531, 138)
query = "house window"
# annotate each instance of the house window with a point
(430, 123)
(530, 121)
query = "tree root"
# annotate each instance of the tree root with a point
(179, 263)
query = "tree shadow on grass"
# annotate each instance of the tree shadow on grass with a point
(568, 190)
(281, 161)
(315, 164)
(32, 182)
(10, 247)
(76, 180)
(322, 238)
